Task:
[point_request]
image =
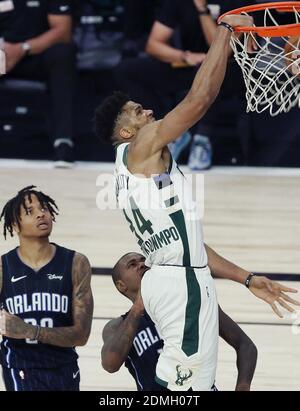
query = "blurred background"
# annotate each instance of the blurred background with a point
(109, 51)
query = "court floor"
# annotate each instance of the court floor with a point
(251, 217)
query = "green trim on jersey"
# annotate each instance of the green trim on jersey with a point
(172, 201)
(178, 220)
(171, 164)
(117, 145)
(190, 341)
(125, 155)
(161, 382)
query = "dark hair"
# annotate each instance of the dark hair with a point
(12, 209)
(107, 114)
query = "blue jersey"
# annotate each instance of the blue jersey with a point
(142, 358)
(40, 298)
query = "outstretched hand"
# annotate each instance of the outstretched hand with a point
(272, 292)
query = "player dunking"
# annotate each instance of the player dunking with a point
(178, 291)
(46, 298)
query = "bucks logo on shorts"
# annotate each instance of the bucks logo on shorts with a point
(183, 374)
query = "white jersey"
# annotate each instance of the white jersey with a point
(160, 213)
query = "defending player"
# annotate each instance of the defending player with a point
(46, 298)
(132, 339)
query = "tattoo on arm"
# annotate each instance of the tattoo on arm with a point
(118, 336)
(82, 306)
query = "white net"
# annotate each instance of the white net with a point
(272, 71)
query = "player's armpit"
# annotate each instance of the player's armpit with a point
(155, 136)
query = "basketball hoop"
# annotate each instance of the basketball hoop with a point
(272, 71)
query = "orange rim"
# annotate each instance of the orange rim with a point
(272, 31)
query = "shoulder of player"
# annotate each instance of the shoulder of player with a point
(111, 327)
(80, 258)
(81, 265)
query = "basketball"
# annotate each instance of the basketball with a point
(292, 55)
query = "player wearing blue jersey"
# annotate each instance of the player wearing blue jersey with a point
(133, 339)
(46, 298)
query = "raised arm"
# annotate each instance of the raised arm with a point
(202, 94)
(118, 336)
(246, 351)
(75, 335)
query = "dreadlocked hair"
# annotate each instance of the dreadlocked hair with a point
(12, 210)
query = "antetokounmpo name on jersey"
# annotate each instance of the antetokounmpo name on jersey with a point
(38, 302)
(160, 240)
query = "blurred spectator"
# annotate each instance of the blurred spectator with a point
(99, 34)
(139, 17)
(38, 45)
